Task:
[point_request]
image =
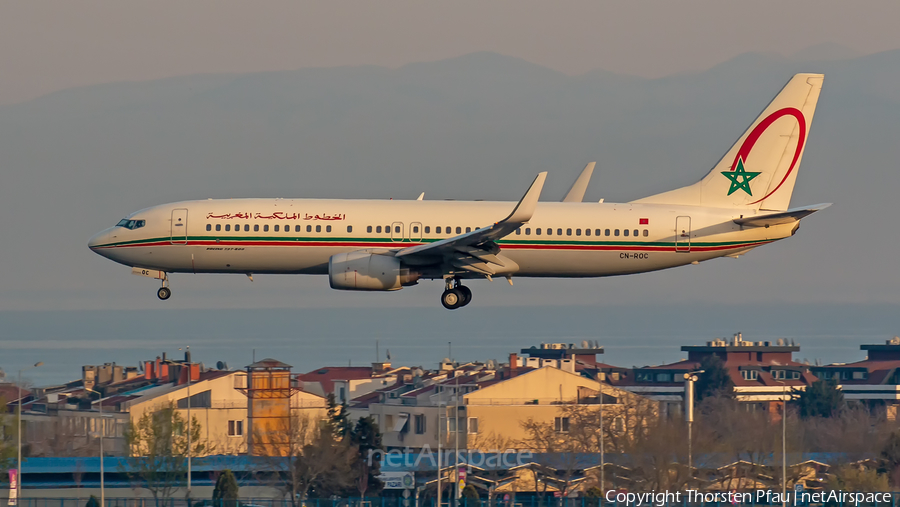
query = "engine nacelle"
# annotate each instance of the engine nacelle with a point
(364, 270)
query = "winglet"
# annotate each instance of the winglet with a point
(576, 193)
(525, 208)
(421, 196)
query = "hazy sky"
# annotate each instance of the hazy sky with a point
(49, 46)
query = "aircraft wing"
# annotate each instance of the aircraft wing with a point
(576, 193)
(781, 217)
(475, 251)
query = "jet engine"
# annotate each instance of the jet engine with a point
(364, 270)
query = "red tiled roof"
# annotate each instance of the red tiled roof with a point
(10, 392)
(326, 376)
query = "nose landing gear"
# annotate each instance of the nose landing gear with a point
(456, 295)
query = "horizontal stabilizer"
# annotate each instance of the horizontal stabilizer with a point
(782, 217)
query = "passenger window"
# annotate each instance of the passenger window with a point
(318, 228)
(218, 227)
(287, 229)
(468, 229)
(568, 232)
(416, 228)
(635, 233)
(387, 229)
(559, 232)
(308, 228)
(549, 231)
(327, 228)
(296, 228)
(646, 233)
(208, 227)
(349, 228)
(519, 231)
(369, 229)
(397, 229)
(266, 228)
(537, 231)
(597, 232)
(459, 230)
(625, 232)
(427, 229)
(378, 229)
(437, 230)
(255, 227)
(578, 232)
(606, 232)
(528, 231)
(276, 228)
(227, 227)
(616, 233)
(587, 232)
(246, 227)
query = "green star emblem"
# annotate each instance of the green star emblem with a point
(740, 178)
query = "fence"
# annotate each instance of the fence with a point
(500, 500)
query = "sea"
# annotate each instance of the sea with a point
(311, 339)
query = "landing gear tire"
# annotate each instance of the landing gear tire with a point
(163, 293)
(466, 293)
(452, 299)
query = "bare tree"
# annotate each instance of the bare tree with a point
(158, 446)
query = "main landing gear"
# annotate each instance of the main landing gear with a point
(456, 295)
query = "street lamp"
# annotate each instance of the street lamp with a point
(689, 379)
(19, 427)
(441, 404)
(783, 442)
(187, 357)
(102, 428)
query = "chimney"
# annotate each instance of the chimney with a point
(164, 357)
(513, 364)
(163, 372)
(156, 370)
(195, 372)
(187, 356)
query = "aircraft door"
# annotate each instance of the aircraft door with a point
(682, 234)
(397, 232)
(415, 231)
(179, 226)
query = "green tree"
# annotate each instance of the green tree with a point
(470, 496)
(158, 446)
(225, 494)
(715, 379)
(338, 417)
(92, 502)
(821, 399)
(366, 440)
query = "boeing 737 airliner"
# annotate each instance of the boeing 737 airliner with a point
(385, 245)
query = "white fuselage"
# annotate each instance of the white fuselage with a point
(298, 236)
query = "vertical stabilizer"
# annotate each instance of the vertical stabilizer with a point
(760, 170)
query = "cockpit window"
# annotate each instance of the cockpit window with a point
(131, 224)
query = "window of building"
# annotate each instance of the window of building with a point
(846, 375)
(473, 425)
(859, 375)
(644, 376)
(218, 227)
(778, 374)
(327, 228)
(255, 227)
(663, 377)
(749, 374)
(420, 424)
(796, 375)
(235, 428)
(208, 227)
(318, 228)
(619, 425)
(427, 229)
(451, 424)
(561, 424)
(369, 229)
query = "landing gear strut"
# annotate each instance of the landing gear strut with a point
(164, 292)
(456, 295)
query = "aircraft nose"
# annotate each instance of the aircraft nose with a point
(98, 239)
